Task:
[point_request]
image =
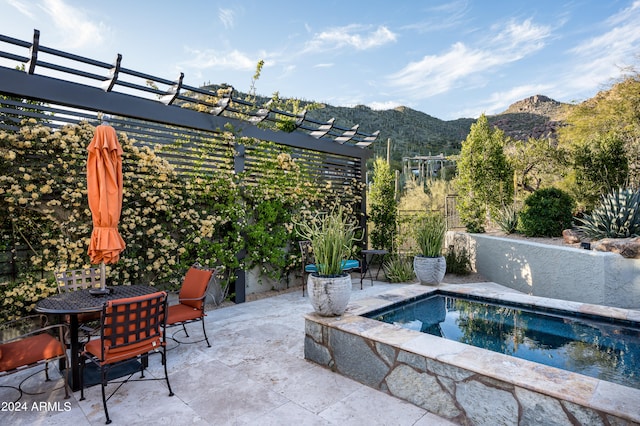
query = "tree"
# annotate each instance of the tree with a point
(536, 163)
(485, 178)
(602, 137)
(600, 167)
(383, 209)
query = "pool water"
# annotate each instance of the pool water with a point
(594, 346)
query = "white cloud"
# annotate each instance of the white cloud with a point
(232, 59)
(462, 64)
(22, 7)
(519, 39)
(355, 36)
(442, 17)
(227, 17)
(600, 58)
(383, 106)
(326, 65)
(77, 28)
(287, 71)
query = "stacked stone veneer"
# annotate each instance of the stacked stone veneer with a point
(465, 384)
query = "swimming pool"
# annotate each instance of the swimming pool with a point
(595, 346)
(464, 383)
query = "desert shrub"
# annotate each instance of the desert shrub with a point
(546, 213)
(398, 268)
(617, 216)
(458, 260)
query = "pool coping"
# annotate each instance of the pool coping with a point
(608, 399)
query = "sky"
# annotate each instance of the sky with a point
(449, 59)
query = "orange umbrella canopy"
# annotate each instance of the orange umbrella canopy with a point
(104, 190)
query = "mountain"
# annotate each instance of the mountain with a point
(411, 132)
(416, 133)
(534, 117)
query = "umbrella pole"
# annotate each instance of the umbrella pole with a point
(103, 285)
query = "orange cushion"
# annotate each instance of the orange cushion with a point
(84, 317)
(194, 286)
(112, 355)
(29, 350)
(181, 312)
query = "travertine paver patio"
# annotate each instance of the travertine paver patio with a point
(254, 374)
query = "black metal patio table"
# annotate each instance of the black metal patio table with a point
(368, 256)
(81, 301)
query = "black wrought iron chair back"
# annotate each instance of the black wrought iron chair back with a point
(81, 279)
(27, 343)
(131, 328)
(191, 300)
(78, 279)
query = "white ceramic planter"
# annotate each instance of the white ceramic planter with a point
(329, 296)
(430, 270)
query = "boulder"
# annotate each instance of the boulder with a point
(625, 247)
(570, 236)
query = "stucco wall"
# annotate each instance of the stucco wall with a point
(553, 271)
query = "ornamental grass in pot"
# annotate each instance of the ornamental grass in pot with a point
(332, 237)
(430, 265)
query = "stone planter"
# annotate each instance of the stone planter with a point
(329, 296)
(430, 270)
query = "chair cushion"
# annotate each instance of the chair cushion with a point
(112, 355)
(29, 350)
(347, 265)
(181, 312)
(350, 264)
(84, 317)
(194, 286)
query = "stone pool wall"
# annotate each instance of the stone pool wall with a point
(465, 384)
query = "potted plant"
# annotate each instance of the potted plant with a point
(332, 236)
(430, 265)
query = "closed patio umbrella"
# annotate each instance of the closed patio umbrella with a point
(104, 191)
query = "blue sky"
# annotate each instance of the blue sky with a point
(449, 59)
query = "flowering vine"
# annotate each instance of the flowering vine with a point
(168, 221)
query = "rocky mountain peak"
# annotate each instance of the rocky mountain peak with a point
(537, 104)
(537, 116)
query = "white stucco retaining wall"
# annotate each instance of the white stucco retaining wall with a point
(557, 272)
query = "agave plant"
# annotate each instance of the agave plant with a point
(507, 219)
(617, 216)
(398, 268)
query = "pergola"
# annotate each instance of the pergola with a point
(42, 82)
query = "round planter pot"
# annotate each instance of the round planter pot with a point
(430, 270)
(329, 296)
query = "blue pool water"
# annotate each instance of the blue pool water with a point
(599, 347)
